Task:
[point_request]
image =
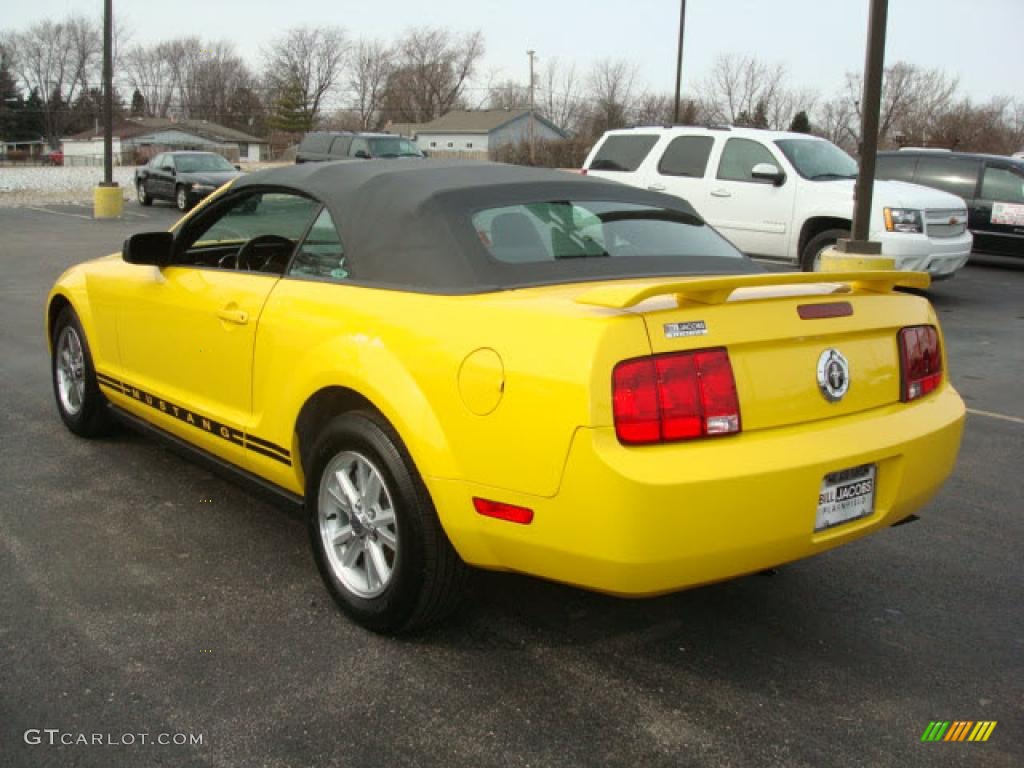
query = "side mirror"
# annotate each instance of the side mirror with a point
(363, 154)
(168, 169)
(148, 248)
(238, 167)
(768, 172)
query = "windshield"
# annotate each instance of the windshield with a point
(394, 147)
(819, 160)
(556, 230)
(199, 163)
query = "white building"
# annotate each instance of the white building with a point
(480, 131)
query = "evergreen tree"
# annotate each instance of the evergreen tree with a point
(290, 113)
(138, 104)
(12, 104)
(801, 123)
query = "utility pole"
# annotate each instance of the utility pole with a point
(679, 60)
(870, 107)
(533, 137)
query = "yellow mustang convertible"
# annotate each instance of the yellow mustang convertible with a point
(468, 364)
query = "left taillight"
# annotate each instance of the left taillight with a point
(675, 396)
(920, 361)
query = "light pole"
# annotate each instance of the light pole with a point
(107, 200)
(679, 60)
(533, 151)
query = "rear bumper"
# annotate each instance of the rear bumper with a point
(939, 257)
(644, 521)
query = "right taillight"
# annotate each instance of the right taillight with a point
(920, 361)
(676, 396)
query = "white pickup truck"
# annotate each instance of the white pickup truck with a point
(785, 196)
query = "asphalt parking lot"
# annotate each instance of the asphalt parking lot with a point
(140, 594)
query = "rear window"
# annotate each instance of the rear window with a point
(557, 230)
(686, 156)
(623, 153)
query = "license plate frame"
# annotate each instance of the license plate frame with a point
(846, 495)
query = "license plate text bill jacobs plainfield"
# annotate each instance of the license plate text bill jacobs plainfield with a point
(846, 495)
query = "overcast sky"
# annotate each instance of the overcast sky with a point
(978, 41)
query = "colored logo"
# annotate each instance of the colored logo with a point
(958, 730)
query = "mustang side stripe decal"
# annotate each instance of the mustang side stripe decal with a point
(224, 431)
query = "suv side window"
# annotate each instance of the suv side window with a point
(1002, 184)
(739, 158)
(623, 153)
(340, 146)
(896, 167)
(958, 176)
(321, 254)
(158, 161)
(686, 156)
(359, 145)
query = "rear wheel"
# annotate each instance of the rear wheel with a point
(810, 258)
(81, 405)
(376, 538)
(181, 198)
(143, 195)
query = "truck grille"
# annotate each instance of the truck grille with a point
(937, 222)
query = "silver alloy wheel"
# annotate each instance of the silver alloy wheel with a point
(70, 370)
(182, 199)
(358, 529)
(141, 190)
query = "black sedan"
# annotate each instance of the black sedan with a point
(182, 177)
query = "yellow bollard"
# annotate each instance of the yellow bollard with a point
(833, 260)
(107, 202)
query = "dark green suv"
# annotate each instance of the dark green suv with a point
(320, 146)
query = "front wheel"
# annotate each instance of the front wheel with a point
(81, 405)
(376, 538)
(143, 195)
(181, 199)
(810, 257)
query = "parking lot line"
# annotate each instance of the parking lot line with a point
(59, 213)
(991, 415)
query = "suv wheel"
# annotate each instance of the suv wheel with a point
(810, 258)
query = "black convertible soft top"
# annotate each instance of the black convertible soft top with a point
(406, 224)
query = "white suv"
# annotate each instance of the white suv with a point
(785, 195)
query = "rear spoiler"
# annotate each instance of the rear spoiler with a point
(716, 290)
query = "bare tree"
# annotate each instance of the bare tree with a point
(148, 70)
(58, 60)
(307, 62)
(372, 63)
(431, 72)
(612, 100)
(508, 94)
(560, 95)
(741, 86)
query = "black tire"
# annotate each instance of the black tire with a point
(427, 578)
(92, 417)
(142, 194)
(182, 199)
(825, 238)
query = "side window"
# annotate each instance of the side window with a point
(321, 254)
(357, 146)
(340, 146)
(623, 153)
(686, 156)
(739, 158)
(255, 232)
(158, 161)
(954, 175)
(896, 167)
(1002, 184)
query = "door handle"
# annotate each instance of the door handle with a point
(236, 316)
(721, 193)
(656, 187)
